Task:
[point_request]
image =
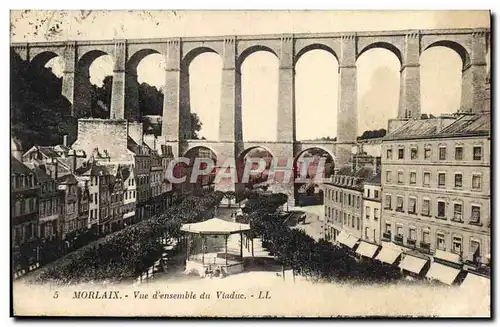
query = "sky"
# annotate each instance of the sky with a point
(316, 71)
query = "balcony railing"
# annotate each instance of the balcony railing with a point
(386, 235)
(398, 239)
(411, 243)
(425, 247)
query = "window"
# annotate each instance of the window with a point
(367, 211)
(427, 179)
(341, 196)
(352, 221)
(358, 225)
(427, 152)
(457, 245)
(442, 153)
(358, 200)
(458, 180)
(441, 209)
(441, 179)
(367, 229)
(413, 234)
(459, 153)
(412, 203)
(414, 153)
(475, 214)
(413, 177)
(476, 182)
(457, 212)
(475, 250)
(388, 199)
(477, 153)
(440, 242)
(400, 177)
(426, 237)
(345, 218)
(349, 199)
(368, 193)
(401, 153)
(389, 153)
(399, 204)
(376, 194)
(388, 228)
(336, 196)
(376, 213)
(95, 198)
(399, 231)
(388, 176)
(91, 214)
(426, 205)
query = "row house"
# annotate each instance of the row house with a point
(129, 195)
(24, 212)
(142, 158)
(436, 189)
(48, 204)
(343, 202)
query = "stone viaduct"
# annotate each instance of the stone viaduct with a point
(470, 44)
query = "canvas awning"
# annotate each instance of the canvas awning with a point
(215, 226)
(447, 256)
(366, 249)
(342, 237)
(442, 273)
(475, 282)
(388, 254)
(413, 264)
(350, 241)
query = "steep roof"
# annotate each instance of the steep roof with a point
(375, 180)
(469, 125)
(17, 167)
(67, 179)
(446, 126)
(40, 173)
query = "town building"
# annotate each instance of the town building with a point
(24, 214)
(129, 195)
(68, 186)
(436, 189)
(343, 201)
(48, 204)
(372, 209)
(142, 162)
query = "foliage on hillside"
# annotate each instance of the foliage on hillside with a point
(39, 113)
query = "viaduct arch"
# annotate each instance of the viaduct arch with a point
(472, 45)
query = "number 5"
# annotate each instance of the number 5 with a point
(56, 295)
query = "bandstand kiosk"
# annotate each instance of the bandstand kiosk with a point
(207, 249)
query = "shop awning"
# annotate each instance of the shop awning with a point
(442, 273)
(388, 255)
(447, 256)
(413, 264)
(350, 241)
(475, 282)
(366, 249)
(342, 237)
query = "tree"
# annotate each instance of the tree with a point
(372, 134)
(39, 112)
(195, 125)
(229, 195)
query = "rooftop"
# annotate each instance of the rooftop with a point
(17, 167)
(444, 126)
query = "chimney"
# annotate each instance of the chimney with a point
(65, 140)
(72, 155)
